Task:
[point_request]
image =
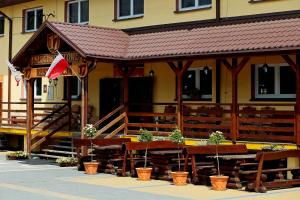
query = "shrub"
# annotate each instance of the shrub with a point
(17, 155)
(66, 161)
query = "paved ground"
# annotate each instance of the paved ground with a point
(36, 180)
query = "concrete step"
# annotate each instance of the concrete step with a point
(44, 155)
(61, 146)
(58, 152)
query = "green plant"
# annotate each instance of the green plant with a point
(90, 131)
(17, 155)
(274, 147)
(177, 137)
(145, 136)
(216, 138)
(66, 161)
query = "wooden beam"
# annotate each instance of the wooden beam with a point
(242, 64)
(288, 59)
(84, 107)
(186, 67)
(69, 99)
(234, 101)
(297, 113)
(29, 120)
(227, 64)
(173, 67)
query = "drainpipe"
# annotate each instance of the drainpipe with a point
(9, 58)
(218, 10)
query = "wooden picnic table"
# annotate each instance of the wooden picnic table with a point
(230, 165)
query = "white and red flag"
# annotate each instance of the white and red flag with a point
(17, 74)
(57, 67)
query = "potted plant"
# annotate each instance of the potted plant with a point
(144, 173)
(90, 167)
(179, 177)
(218, 181)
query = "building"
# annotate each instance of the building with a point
(237, 62)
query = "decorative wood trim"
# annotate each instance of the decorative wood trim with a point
(288, 59)
(23, 20)
(177, 6)
(115, 10)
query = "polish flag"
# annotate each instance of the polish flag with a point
(17, 74)
(57, 67)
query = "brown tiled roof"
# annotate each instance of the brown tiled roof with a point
(92, 41)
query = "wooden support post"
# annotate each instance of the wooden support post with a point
(179, 70)
(29, 119)
(126, 87)
(69, 99)
(296, 67)
(234, 109)
(84, 107)
(298, 100)
(235, 69)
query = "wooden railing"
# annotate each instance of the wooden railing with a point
(267, 122)
(160, 122)
(119, 121)
(200, 119)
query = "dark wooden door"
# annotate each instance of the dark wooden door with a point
(111, 95)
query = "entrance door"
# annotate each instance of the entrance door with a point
(111, 95)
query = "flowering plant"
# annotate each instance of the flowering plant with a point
(90, 131)
(216, 138)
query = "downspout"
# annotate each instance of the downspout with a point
(9, 59)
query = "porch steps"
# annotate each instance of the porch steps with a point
(62, 147)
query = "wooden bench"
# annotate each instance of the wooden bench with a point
(208, 168)
(259, 180)
(108, 152)
(138, 146)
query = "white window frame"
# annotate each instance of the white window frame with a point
(79, 11)
(276, 84)
(197, 6)
(197, 83)
(34, 86)
(35, 19)
(131, 15)
(2, 34)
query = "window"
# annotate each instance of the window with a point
(33, 19)
(1, 25)
(37, 84)
(75, 88)
(130, 8)
(78, 11)
(193, 4)
(275, 81)
(197, 84)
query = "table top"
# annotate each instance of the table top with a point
(163, 152)
(235, 156)
(112, 147)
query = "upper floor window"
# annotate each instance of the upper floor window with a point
(193, 4)
(33, 19)
(197, 84)
(78, 11)
(1, 25)
(275, 81)
(130, 8)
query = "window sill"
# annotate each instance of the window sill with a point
(192, 9)
(1, 35)
(255, 1)
(27, 32)
(35, 99)
(127, 18)
(273, 99)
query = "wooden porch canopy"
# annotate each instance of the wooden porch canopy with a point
(278, 37)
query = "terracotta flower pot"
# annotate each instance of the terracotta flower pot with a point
(219, 182)
(179, 178)
(91, 167)
(144, 174)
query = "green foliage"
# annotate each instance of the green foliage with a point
(176, 136)
(89, 130)
(17, 155)
(66, 161)
(145, 135)
(216, 138)
(274, 147)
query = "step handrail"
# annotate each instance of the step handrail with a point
(108, 115)
(50, 115)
